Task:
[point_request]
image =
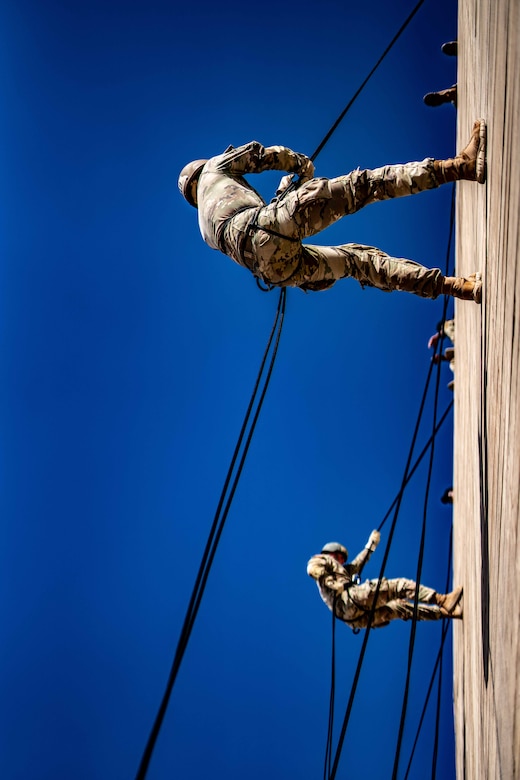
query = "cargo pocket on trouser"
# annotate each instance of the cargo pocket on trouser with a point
(311, 273)
(374, 268)
(277, 258)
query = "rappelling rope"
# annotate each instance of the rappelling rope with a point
(437, 665)
(330, 730)
(439, 680)
(357, 674)
(397, 503)
(418, 578)
(219, 521)
(217, 527)
(425, 512)
(365, 82)
(328, 750)
(417, 462)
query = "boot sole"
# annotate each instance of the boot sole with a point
(477, 289)
(481, 153)
(456, 601)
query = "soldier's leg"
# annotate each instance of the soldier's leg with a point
(319, 267)
(403, 610)
(370, 266)
(397, 610)
(395, 602)
(400, 589)
(381, 618)
(320, 202)
(403, 589)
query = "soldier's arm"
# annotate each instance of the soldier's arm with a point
(255, 158)
(360, 560)
(327, 572)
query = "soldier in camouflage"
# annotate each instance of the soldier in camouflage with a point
(267, 239)
(352, 602)
(447, 329)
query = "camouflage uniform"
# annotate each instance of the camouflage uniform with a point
(449, 353)
(267, 239)
(354, 602)
(446, 329)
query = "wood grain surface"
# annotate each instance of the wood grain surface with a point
(487, 402)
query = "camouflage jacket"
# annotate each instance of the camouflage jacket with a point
(222, 191)
(334, 579)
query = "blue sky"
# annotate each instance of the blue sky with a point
(129, 353)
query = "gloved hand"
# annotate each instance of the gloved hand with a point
(305, 173)
(285, 182)
(373, 541)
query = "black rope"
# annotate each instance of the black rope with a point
(367, 79)
(330, 730)
(218, 523)
(397, 503)
(417, 462)
(445, 630)
(216, 530)
(418, 577)
(437, 723)
(413, 629)
(381, 574)
(352, 100)
(439, 686)
(328, 751)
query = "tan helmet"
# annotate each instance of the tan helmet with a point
(335, 547)
(188, 178)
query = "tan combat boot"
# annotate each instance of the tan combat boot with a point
(450, 603)
(470, 164)
(469, 289)
(455, 614)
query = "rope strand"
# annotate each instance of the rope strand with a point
(216, 531)
(365, 82)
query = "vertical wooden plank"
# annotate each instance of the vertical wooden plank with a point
(487, 402)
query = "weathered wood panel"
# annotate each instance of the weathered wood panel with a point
(487, 402)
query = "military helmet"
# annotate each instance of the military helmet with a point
(335, 547)
(188, 178)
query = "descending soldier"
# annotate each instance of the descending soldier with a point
(336, 580)
(446, 328)
(267, 239)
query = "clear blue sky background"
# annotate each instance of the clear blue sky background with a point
(129, 353)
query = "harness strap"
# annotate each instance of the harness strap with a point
(248, 255)
(255, 226)
(361, 607)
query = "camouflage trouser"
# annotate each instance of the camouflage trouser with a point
(283, 260)
(394, 601)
